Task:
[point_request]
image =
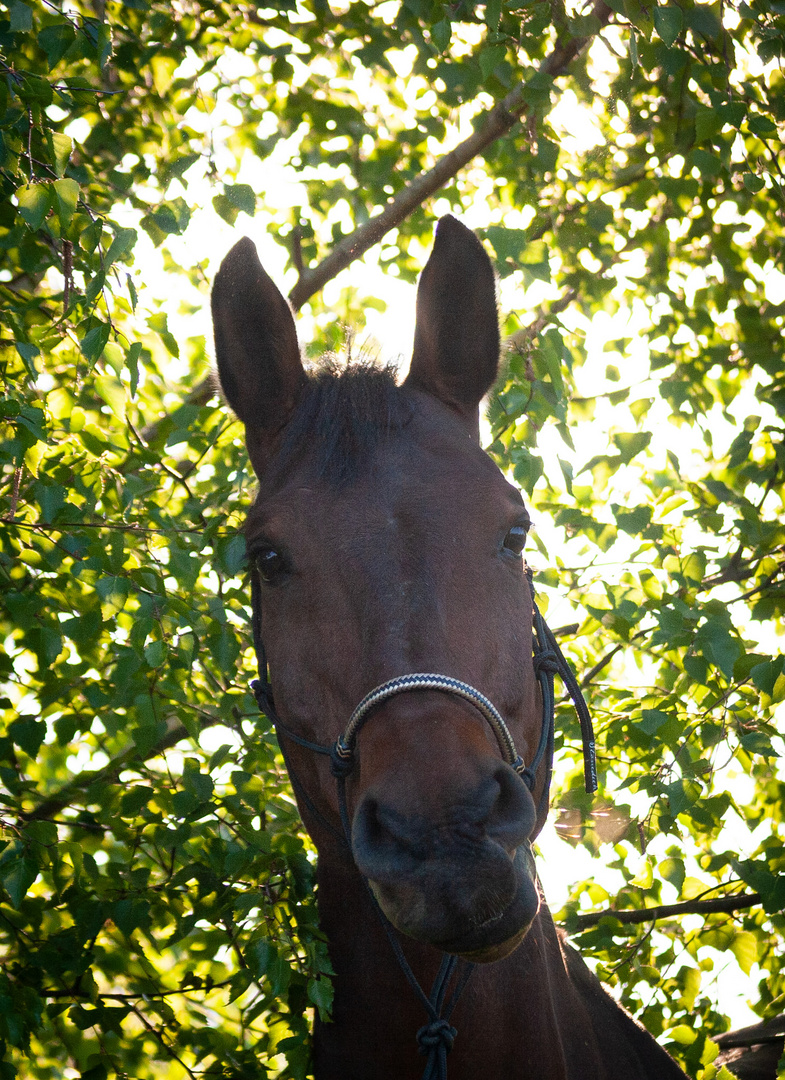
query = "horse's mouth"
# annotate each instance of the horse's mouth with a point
(500, 934)
(485, 936)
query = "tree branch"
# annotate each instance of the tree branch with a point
(498, 121)
(666, 911)
(521, 339)
(766, 1031)
(109, 773)
(200, 395)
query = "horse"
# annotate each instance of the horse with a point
(393, 610)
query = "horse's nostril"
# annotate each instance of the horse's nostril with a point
(511, 818)
(382, 841)
(388, 842)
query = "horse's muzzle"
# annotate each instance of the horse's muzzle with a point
(465, 884)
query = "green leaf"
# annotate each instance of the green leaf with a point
(552, 351)
(320, 992)
(490, 57)
(441, 35)
(258, 956)
(135, 799)
(28, 733)
(132, 363)
(56, 40)
(652, 720)
(170, 219)
(745, 948)
(765, 674)
(66, 196)
(761, 125)
(163, 69)
(131, 914)
(242, 196)
(94, 342)
(639, 13)
(668, 22)
(155, 653)
(493, 13)
(21, 17)
(234, 554)
(718, 645)
(629, 444)
(705, 21)
(708, 164)
(508, 244)
(17, 876)
(62, 145)
(633, 521)
(104, 43)
(225, 209)
(733, 113)
(199, 783)
(121, 246)
(35, 202)
(753, 183)
(159, 323)
(707, 123)
(683, 1034)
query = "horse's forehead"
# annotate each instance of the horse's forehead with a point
(430, 469)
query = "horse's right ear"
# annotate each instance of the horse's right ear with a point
(256, 347)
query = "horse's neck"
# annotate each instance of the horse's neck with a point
(540, 1014)
(508, 1019)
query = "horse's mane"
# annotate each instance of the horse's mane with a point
(343, 415)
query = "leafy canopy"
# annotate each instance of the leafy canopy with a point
(623, 163)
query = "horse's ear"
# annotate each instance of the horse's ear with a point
(256, 347)
(456, 337)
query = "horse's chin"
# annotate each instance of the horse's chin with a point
(492, 953)
(496, 936)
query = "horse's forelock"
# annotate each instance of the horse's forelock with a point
(342, 417)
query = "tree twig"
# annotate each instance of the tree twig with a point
(716, 905)
(109, 773)
(522, 338)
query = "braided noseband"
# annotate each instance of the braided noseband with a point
(435, 1039)
(345, 744)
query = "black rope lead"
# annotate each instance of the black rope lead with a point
(549, 661)
(435, 1039)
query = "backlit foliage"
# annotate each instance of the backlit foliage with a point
(157, 915)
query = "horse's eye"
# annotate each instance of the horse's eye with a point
(270, 564)
(515, 540)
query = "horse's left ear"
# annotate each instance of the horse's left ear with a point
(456, 337)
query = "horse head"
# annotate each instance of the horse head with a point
(385, 542)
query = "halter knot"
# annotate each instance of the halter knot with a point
(264, 696)
(436, 1034)
(547, 661)
(528, 778)
(341, 760)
